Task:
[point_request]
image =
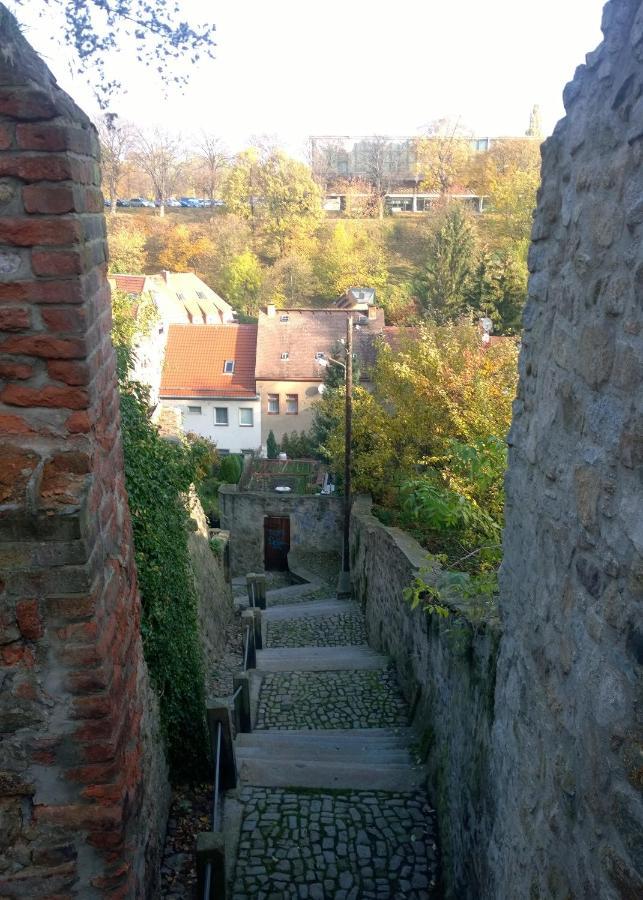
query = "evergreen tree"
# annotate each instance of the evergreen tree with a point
(444, 285)
(272, 447)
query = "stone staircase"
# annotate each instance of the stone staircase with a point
(331, 794)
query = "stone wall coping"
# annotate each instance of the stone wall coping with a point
(419, 559)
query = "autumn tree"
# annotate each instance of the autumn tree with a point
(443, 157)
(127, 246)
(159, 154)
(242, 187)
(115, 144)
(350, 257)
(509, 174)
(381, 166)
(212, 158)
(185, 248)
(241, 283)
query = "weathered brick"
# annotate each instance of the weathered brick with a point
(36, 168)
(14, 318)
(63, 291)
(16, 468)
(52, 138)
(17, 654)
(29, 620)
(80, 816)
(6, 136)
(49, 396)
(73, 373)
(57, 262)
(68, 320)
(45, 346)
(49, 199)
(15, 425)
(78, 423)
(31, 232)
(26, 104)
(15, 370)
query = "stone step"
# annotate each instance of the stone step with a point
(339, 759)
(319, 659)
(312, 608)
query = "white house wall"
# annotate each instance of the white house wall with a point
(232, 437)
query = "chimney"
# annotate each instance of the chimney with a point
(165, 273)
(271, 309)
(372, 313)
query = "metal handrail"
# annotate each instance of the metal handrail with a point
(247, 649)
(215, 808)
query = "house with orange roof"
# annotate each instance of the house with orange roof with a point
(292, 346)
(177, 298)
(209, 376)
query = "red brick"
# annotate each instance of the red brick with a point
(6, 137)
(73, 373)
(72, 607)
(25, 105)
(14, 425)
(90, 683)
(69, 291)
(56, 262)
(105, 840)
(17, 654)
(88, 815)
(95, 773)
(53, 138)
(14, 318)
(36, 168)
(115, 879)
(56, 200)
(51, 396)
(78, 423)
(111, 793)
(30, 232)
(45, 346)
(92, 707)
(15, 370)
(16, 467)
(29, 621)
(71, 320)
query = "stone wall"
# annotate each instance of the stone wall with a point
(567, 737)
(214, 591)
(83, 793)
(446, 669)
(316, 523)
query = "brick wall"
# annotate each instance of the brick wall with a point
(82, 778)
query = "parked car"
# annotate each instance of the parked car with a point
(140, 202)
(172, 202)
(189, 202)
(122, 203)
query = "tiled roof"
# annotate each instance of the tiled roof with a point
(305, 333)
(195, 356)
(396, 336)
(130, 284)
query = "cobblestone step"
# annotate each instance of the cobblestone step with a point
(327, 607)
(319, 659)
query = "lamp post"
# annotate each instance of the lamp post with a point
(344, 581)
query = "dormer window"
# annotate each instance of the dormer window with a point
(285, 355)
(228, 367)
(200, 295)
(283, 318)
(180, 296)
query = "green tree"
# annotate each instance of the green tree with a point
(241, 281)
(127, 254)
(350, 257)
(497, 289)
(230, 469)
(443, 285)
(272, 447)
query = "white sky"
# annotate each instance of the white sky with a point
(291, 68)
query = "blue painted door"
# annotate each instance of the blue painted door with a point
(276, 542)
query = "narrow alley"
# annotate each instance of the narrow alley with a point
(332, 797)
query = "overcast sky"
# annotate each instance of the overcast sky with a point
(293, 67)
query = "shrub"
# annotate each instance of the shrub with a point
(272, 447)
(230, 469)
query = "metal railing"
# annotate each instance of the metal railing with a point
(222, 715)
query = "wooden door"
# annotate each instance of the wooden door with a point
(276, 542)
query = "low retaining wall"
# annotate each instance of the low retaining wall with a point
(315, 524)
(447, 671)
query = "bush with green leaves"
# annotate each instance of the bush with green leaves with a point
(272, 447)
(230, 469)
(158, 476)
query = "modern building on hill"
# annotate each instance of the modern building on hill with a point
(209, 375)
(292, 347)
(177, 298)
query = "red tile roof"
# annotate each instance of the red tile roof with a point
(130, 284)
(307, 332)
(195, 356)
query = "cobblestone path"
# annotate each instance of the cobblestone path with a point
(333, 804)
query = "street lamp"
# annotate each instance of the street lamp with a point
(344, 582)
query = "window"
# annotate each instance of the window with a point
(320, 355)
(220, 415)
(194, 410)
(180, 296)
(285, 355)
(228, 367)
(200, 295)
(273, 404)
(222, 452)
(283, 318)
(161, 329)
(292, 404)
(246, 417)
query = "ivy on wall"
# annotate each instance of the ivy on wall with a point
(158, 475)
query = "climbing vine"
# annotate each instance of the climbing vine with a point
(158, 475)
